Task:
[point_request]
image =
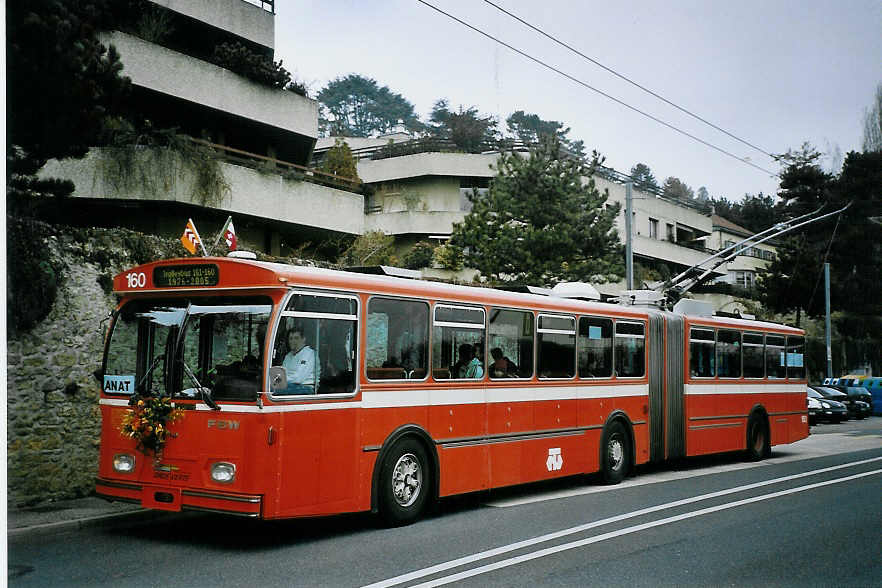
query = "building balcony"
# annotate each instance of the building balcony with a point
(668, 252)
(252, 21)
(427, 164)
(428, 222)
(270, 192)
(196, 83)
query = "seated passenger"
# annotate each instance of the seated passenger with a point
(502, 366)
(474, 369)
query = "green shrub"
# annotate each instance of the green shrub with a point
(32, 279)
(422, 255)
(239, 59)
(449, 257)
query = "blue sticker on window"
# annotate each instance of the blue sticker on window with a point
(594, 333)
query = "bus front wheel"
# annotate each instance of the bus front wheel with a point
(615, 458)
(404, 483)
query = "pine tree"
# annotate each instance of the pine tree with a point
(340, 162)
(542, 221)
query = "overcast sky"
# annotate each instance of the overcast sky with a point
(774, 73)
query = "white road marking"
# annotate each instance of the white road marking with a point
(629, 530)
(580, 528)
(811, 447)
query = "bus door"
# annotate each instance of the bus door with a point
(509, 410)
(458, 410)
(315, 345)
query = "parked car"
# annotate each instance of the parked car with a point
(872, 384)
(832, 393)
(814, 408)
(860, 398)
(830, 411)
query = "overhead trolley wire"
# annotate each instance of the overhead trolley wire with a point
(625, 78)
(598, 91)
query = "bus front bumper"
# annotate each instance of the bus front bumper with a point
(176, 499)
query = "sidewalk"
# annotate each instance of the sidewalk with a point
(69, 515)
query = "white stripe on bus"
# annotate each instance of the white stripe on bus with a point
(743, 388)
(432, 397)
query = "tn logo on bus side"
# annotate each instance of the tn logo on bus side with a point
(555, 459)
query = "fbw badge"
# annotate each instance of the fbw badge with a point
(555, 459)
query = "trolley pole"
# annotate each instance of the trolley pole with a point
(629, 250)
(827, 319)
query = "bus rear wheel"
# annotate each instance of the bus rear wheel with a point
(404, 484)
(615, 458)
(758, 446)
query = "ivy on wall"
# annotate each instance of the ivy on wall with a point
(152, 161)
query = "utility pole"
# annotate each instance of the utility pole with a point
(827, 319)
(629, 250)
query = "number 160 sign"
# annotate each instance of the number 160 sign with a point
(136, 279)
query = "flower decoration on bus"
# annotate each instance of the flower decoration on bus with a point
(147, 422)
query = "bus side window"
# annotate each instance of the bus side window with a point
(701, 353)
(754, 365)
(595, 347)
(795, 353)
(630, 351)
(316, 343)
(776, 363)
(557, 346)
(397, 339)
(511, 344)
(728, 353)
(458, 343)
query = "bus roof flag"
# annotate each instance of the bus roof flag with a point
(190, 239)
(230, 235)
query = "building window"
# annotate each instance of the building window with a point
(671, 234)
(653, 228)
(470, 187)
(744, 279)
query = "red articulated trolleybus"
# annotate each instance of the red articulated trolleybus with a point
(267, 390)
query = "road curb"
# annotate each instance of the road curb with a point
(105, 520)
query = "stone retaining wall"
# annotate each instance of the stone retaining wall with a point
(53, 419)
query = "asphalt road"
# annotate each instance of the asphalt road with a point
(810, 515)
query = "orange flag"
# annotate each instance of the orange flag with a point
(190, 239)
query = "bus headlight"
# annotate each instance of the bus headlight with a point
(123, 463)
(223, 472)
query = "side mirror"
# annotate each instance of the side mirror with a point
(278, 378)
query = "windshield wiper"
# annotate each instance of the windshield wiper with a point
(148, 372)
(204, 391)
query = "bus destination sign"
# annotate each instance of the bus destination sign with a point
(203, 274)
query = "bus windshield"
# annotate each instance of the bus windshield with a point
(174, 347)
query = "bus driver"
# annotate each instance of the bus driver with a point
(300, 364)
